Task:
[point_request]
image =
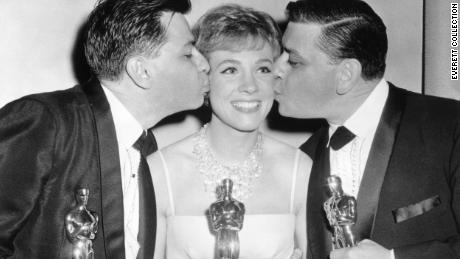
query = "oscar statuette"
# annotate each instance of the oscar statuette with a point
(227, 215)
(81, 227)
(341, 213)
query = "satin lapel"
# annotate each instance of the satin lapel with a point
(377, 163)
(319, 241)
(111, 219)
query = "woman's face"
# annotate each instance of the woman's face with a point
(241, 84)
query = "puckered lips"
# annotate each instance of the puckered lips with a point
(205, 86)
(247, 106)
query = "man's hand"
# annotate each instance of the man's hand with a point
(366, 249)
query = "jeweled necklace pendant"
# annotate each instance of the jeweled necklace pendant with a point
(243, 174)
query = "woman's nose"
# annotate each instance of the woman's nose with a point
(249, 84)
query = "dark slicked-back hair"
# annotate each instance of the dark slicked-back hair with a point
(233, 27)
(350, 29)
(118, 29)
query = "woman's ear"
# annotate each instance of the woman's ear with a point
(348, 72)
(137, 68)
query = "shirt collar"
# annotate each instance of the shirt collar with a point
(127, 128)
(365, 119)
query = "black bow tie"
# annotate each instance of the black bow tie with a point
(146, 144)
(341, 137)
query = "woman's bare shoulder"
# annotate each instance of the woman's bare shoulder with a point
(180, 149)
(278, 149)
(278, 146)
(174, 156)
(285, 155)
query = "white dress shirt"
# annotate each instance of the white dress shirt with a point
(350, 161)
(128, 130)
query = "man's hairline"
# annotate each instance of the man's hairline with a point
(316, 41)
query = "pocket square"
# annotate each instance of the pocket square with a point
(412, 210)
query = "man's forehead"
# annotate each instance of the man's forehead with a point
(177, 27)
(299, 35)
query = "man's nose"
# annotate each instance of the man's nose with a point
(201, 61)
(280, 67)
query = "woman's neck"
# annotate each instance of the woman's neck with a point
(230, 144)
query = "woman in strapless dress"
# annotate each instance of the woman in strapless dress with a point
(269, 177)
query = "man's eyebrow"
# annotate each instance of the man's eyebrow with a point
(288, 50)
(190, 43)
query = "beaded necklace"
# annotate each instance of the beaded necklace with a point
(243, 174)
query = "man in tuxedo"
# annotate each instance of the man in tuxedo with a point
(397, 152)
(53, 144)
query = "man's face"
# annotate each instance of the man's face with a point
(181, 70)
(307, 88)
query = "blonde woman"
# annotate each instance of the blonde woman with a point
(269, 177)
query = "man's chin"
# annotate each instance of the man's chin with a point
(283, 111)
(189, 106)
(292, 113)
(197, 104)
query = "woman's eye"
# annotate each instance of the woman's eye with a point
(188, 55)
(229, 70)
(265, 70)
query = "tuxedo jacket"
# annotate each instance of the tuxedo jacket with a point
(51, 144)
(409, 197)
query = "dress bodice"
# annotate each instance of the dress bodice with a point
(263, 236)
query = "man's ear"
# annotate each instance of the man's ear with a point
(137, 68)
(349, 71)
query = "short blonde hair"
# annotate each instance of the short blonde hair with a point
(234, 27)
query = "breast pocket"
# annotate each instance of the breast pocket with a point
(416, 209)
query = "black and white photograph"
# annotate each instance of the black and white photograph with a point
(229, 129)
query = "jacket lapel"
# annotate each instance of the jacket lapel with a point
(377, 163)
(319, 241)
(111, 223)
